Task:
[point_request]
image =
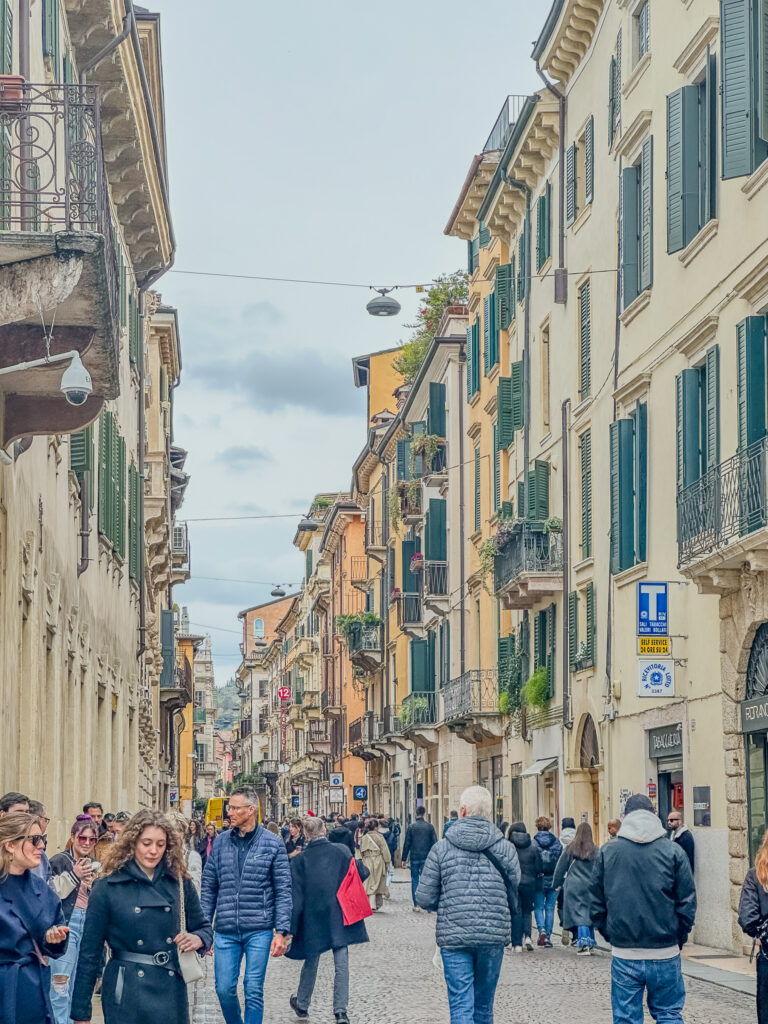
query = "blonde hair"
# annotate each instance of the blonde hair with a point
(761, 862)
(12, 827)
(124, 846)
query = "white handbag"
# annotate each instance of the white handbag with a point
(190, 964)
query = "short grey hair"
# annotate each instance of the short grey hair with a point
(477, 802)
(248, 793)
(313, 827)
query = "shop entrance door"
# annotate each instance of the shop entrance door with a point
(670, 789)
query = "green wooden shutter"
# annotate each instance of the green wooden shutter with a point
(105, 474)
(617, 88)
(435, 537)
(507, 510)
(308, 564)
(538, 491)
(687, 403)
(537, 630)
(540, 232)
(504, 403)
(737, 111)
(751, 380)
(67, 69)
(404, 459)
(585, 448)
(551, 648)
(494, 331)
(484, 236)
(469, 363)
(512, 287)
(585, 336)
(630, 240)
(410, 579)
(611, 102)
(167, 647)
(120, 498)
(419, 666)
(51, 34)
(709, 142)
(570, 184)
(418, 427)
(591, 624)
(133, 522)
(682, 167)
(505, 299)
(133, 328)
(436, 412)
(640, 481)
(487, 333)
(622, 494)
(6, 37)
(475, 357)
(646, 215)
(522, 263)
(470, 259)
(505, 662)
(761, 78)
(518, 395)
(431, 660)
(81, 455)
(521, 506)
(478, 514)
(589, 160)
(712, 408)
(496, 469)
(573, 628)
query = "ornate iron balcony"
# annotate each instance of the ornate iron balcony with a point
(355, 733)
(528, 552)
(418, 709)
(392, 723)
(435, 579)
(474, 693)
(409, 610)
(366, 638)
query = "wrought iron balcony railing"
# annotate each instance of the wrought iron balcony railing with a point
(319, 731)
(730, 500)
(374, 534)
(268, 767)
(392, 723)
(528, 550)
(409, 610)
(476, 692)
(355, 733)
(358, 569)
(505, 122)
(330, 698)
(364, 638)
(435, 579)
(418, 709)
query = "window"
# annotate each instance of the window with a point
(546, 384)
(436, 410)
(691, 159)
(477, 488)
(585, 341)
(134, 329)
(51, 35)
(496, 470)
(585, 458)
(135, 523)
(543, 227)
(81, 459)
(6, 37)
(629, 489)
(522, 264)
(544, 638)
(538, 492)
(636, 211)
(473, 258)
(614, 93)
(504, 292)
(473, 360)
(490, 334)
(582, 654)
(697, 401)
(641, 25)
(258, 629)
(510, 405)
(580, 172)
(744, 88)
(435, 531)
(111, 511)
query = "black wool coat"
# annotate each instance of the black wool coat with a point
(136, 915)
(317, 924)
(575, 878)
(340, 834)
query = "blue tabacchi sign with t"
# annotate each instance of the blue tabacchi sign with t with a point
(652, 609)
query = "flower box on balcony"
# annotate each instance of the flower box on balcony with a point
(11, 90)
(394, 592)
(417, 563)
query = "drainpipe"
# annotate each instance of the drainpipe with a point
(561, 274)
(462, 556)
(108, 49)
(567, 719)
(85, 521)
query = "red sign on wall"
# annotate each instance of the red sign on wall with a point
(284, 693)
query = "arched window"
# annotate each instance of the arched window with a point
(258, 629)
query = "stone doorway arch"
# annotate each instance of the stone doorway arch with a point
(589, 744)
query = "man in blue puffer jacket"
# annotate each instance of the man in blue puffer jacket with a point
(463, 884)
(247, 885)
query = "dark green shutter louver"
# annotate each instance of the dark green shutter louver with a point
(640, 467)
(436, 411)
(133, 334)
(167, 647)
(435, 535)
(67, 69)
(585, 446)
(51, 34)
(120, 498)
(518, 395)
(123, 287)
(505, 662)
(751, 380)
(486, 333)
(496, 469)
(646, 215)
(469, 363)
(585, 341)
(543, 227)
(105, 472)
(508, 510)
(621, 494)
(419, 666)
(505, 298)
(133, 523)
(538, 491)
(570, 184)
(712, 408)
(6, 37)
(522, 263)
(478, 515)
(682, 167)
(551, 648)
(521, 505)
(591, 624)
(81, 455)
(573, 628)
(709, 143)
(611, 102)
(617, 88)
(537, 631)
(737, 111)
(687, 407)
(762, 70)
(589, 161)
(630, 240)
(484, 236)
(410, 579)
(308, 564)
(505, 410)
(404, 459)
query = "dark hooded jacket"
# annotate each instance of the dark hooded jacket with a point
(753, 906)
(528, 855)
(551, 848)
(466, 890)
(574, 876)
(341, 834)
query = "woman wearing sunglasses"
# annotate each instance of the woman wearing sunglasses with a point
(32, 924)
(74, 871)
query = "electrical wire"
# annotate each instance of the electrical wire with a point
(258, 583)
(229, 519)
(296, 280)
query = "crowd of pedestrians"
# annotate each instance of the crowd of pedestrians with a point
(132, 903)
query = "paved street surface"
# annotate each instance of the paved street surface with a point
(393, 981)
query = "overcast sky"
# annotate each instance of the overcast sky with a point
(324, 141)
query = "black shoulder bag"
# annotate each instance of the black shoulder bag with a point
(512, 901)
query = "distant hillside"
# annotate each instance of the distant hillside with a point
(227, 705)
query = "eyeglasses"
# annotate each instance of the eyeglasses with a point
(86, 839)
(37, 840)
(242, 807)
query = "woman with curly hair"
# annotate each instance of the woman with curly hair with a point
(135, 907)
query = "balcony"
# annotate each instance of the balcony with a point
(436, 471)
(435, 585)
(529, 568)
(409, 614)
(208, 768)
(410, 507)
(199, 716)
(319, 739)
(330, 700)
(419, 717)
(358, 571)
(471, 705)
(722, 521)
(180, 554)
(505, 122)
(365, 647)
(392, 723)
(268, 767)
(364, 732)
(176, 687)
(375, 539)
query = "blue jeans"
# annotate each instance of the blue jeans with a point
(416, 870)
(544, 910)
(228, 954)
(585, 937)
(663, 981)
(61, 998)
(471, 976)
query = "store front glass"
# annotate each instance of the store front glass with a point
(754, 726)
(665, 747)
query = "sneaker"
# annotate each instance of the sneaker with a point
(341, 1018)
(542, 939)
(301, 1014)
(528, 944)
(566, 937)
(518, 949)
(584, 951)
(547, 943)
(416, 910)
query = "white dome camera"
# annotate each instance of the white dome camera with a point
(76, 382)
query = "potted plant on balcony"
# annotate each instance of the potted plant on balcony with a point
(417, 562)
(11, 90)
(553, 525)
(394, 593)
(583, 657)
(394, 510)
(487, 553)
(535, 693)
(426, 446)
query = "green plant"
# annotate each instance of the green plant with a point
(345, 623)
(487, 553)
(446, 290)
(504, 703)
(394, 509)
(322, 501)
(414, 490)
(553, 525)
(535, 693)
(426, 445)
(413, 710)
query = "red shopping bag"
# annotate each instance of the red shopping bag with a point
(352, 897)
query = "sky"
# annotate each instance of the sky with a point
(316, 141)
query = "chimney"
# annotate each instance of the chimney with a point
(185, 620)
(401, 394)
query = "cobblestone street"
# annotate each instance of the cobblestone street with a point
(393, 981)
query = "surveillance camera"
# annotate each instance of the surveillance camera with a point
(76, 382)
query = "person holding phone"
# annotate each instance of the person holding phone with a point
(32, 926)
(73, 873)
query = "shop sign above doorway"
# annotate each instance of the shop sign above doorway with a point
(655, 677)
(666, 741)
(754, 715)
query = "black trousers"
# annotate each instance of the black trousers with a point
(521, 921)
(762, 989)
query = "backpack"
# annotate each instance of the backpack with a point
(550, 855)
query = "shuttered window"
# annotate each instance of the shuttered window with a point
(308, 564)
(504, 291)
(591, 630)
(167, 648)
(543, 227)
(496, 469)
(744, 90)
(506, 661)
(637, 226)
(420, 667)
(628, 489)
(490, 334)
(436, 411)
(643, 30)
(473, 360)
(473, 248)
(585, 456)
(135, 523)
(551, 643)
(134, 329)
(538, 491)
(646, 215)
(573, 628)
(81, 453)
(484, 236)
(611, 102)
(410, 579)
(585, 341)
(51, 34)
(6, 37)
(691, 160)
(751, 380)
(404, 459)
(522, 263)
(477, 490)
(571, 208)
(435, 531)
(112, 484)
(589, 161)
(510, 405)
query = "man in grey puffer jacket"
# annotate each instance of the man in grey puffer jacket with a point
(467, 890)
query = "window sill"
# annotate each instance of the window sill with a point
(584, 564)
(756, 180)
(636, 307)
(545, 268)
(694, 247)
(631, 575)
(494, 372)
(582, 219)
(546, 439)
(476, 537)
(582, 407)
(475, 398)
(637, 73)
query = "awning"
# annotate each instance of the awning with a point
(539, 767)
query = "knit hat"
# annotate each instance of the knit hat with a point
(638, 802)
(568, 823)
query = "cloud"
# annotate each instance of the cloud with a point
(272, 381)
(242, 456)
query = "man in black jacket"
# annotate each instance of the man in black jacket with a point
(339, 833)
(643, 901)
(419, 839)
(682, 835)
